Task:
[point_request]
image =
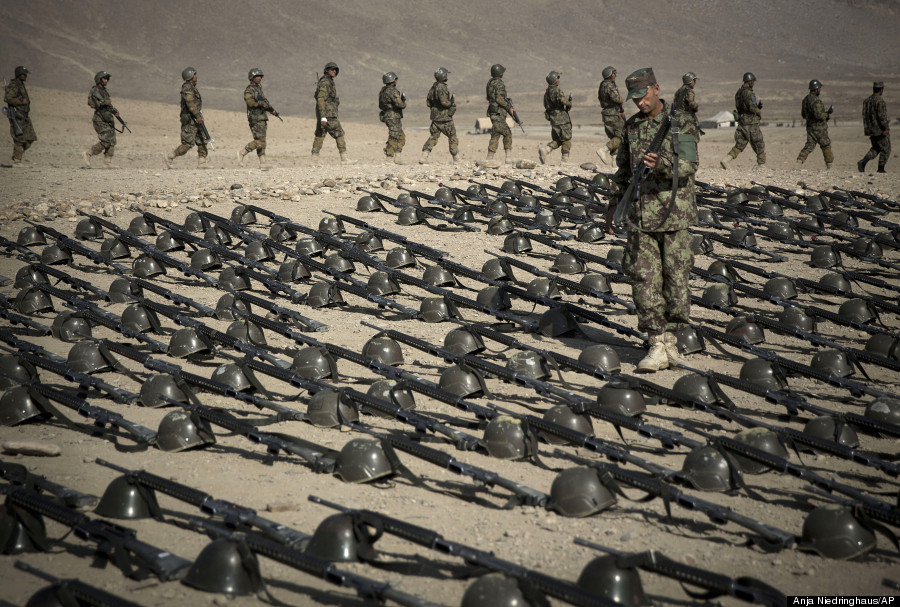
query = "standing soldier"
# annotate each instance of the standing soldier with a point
(257, 115)
(443, 106)
(104, 122)
(327, 103)
(685, 101)
(813, 111)
(20, 128)
(875, 122)
(498, 108)
(748, 110)
(613, 115)
(556, 110)
(392, 102)
(658, 254)
(191, 118)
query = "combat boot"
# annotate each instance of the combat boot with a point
(506, 157)
(425, 155)
(169, 158)
(242, 153)
(881, 169)
(203, 162)
(86, 155)
(345, 158)
(726, 160)
(861, 165)
(490, 155)
(542, 153)
(798, 164)
(398, 158)
(604, 155)
(671, 342)
(828, 166)
(565, 158)
(455, 159)
(657, 359)
(108, 163)
(314, 158)
(262, 161)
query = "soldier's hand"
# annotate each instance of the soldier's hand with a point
(265, 105)
(324, 120)
(274, 112)
(199, 119)
(652, 161)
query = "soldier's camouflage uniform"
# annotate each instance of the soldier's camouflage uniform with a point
(875, 123)
(813, 111)
(498, 107)
(327, 103)
(556, 110)
(104, 121)
(442, 111)
(257, 117)
(191, 109)
(658, 255)
(686, 102)
(16, 95)
(611, 111)
(392, 105)
(748, 116)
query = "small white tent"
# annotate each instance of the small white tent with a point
(720, 120)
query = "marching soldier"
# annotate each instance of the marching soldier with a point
(875, 123)
(20, 128)
(686, 102)
(443, 107)
(748, 110)
(813, 111)
(498, 108)
(327, 102)
(257, 115)
(191, 118)
(556, 110)
(104, 122)
(613, 115)
(392, 102)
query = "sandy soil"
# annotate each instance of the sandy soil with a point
(53, 183)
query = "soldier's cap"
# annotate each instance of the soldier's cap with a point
(639, 81)
(878, 85)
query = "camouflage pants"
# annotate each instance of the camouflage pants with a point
(881, 147)
(22, 142)
(499, 129)
(258, 130)
(752, 134)
(614, 125)
(107, 135)
(448, 129)
(562, 137)
(333, 128)
(660, 265)
(190, 136)
(817, 134)
(396, 137)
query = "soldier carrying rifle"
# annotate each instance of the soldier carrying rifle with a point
(104, 122)
(18, 107)
(258, 110)
(193, 128)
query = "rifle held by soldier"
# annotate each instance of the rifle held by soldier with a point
(515, 115)
(10, 112)
(268, 107)
(204, 133)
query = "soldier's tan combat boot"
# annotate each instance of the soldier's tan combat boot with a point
(657, 359)
(604, 155)
(398, 158)
(565, 159)
(490, 155)
(671, 342)
(263, 163)
(242, 154)
(726, 160)
(203, 162)
(507, 159)
(345, 158)
(455, 159)
(108, 163)
(425, 155)
(86, 155)
(169, 158)
(542, 153)
(828, 166)
(798, 164)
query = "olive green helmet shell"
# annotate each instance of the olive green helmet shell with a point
(337, 262)
(505, 438)
(824, 256)
(179, 431)
(567, 263)
(17, 537)
(441, 74)
(498, 269)
(814, 84)
(830, 428)
(30, 274)
(310, 247)
(885, 409)
(780, 286)
(196, 223)
(719, 294)
(688, 78)
(331, 65)
(100, 76)
(695, 387)
(205, 260)
(243, 215)
(327, 409)
(707, 470)
(495, 590)
(528, 363)
(578, 492)
(14, 371)
(832, 361)
(597, 282)
(225, 566)
(884, 345)
(312, 362)
(17, 406)
(86, 357)
(858, 310)
(563, 415)
(688, 341)
(30, 236)
(462, 381)
(602, 357)
(591, 231)
(391, 391)
(798, 319)
(363, 460)
(499, 226)
(497, 70)
(746, 330)
(56, 255)
(621, 398)
(382, 283)
(388, 77)
(438, 276)
(337, 539)
(553, 76)
(253, 73)
(605, 578)
(188, 342)
(516, 243)
(68, 327)
(125, 499)
(616, 255)
(400, 257)
(437, 309)
(763, 372)
(229, 307)
(384, 349)
(543, 286)
(145, 266)
(463, 341)
(608, 71)
(722, 268)
(161, 390)
(188, 73)
(323, 295)
(834, 532)
(749, 77)
(762, 439)
(496, 298)
(331, 226)
(601, 179)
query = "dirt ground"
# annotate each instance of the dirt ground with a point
(53, 183)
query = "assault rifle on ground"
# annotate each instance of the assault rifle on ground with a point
(17, 474)
(6, 312)
(73, 589)
(114, 111)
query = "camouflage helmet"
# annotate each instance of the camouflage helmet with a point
(441, 74)
(745, 329)
(362, 460)
(833, 531)
(313, 362)
(707, 470)
(608, 71)
(225, 566)
(17, 405)
(113, 248)
(188, 342)
(323, 295)
(166, 242)
(858, 310)
(68, 327)
(543, 286)
(204, 259)
(578, 492)
(798, 319)
(695, 387)
(749, 77)
(13, 370)
(243, 215)
(600, 356)
(188, 73)
(438, 276)
(145, 266)
(32, 300)
(781, 287)
(596, 282)
(563, 415)
(885, 409)
(310, 247)
(567, 263)
(100, 76)
(814, 84)
(463, 341)
(389, 77)
(621, 398)
(497, 70)
(30, 236)
(391, 391)
(553, 76)
(400, 257)
(831, 428)
(26, 275)
(762, 439)
(331, 65)
(688, 78)
(327, 409)
(382, 283)
(506, 438)
(343, 538)
(832, 361)
(21, 70)
(516, 243)
(604, 577)
(195, 223)
(253, 73)
(126, 499)
(462, 381)
(384, 349)
(161, 390)
(529, 363)
(764, 372)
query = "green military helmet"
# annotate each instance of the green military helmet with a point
(444, 195)
(26, 275)
(719, 294)
(14, 370)
(778, 230)
(831, 428)
(463, 341)
(389, 77)
(606, 578)
(616, 255)
(217, 235)
(290, 270)
(884, 345)
(22, 70)
(724, 269)
(867, 247)
(344, 538)
(762, 439)
(746, 330)
(188, 73)
(498, 269)
(834, 531)
(140, 319)
(17, 536)
(528, 363)
(410, 216)
(498, 206)
(608, 71)
(771, 208)
(70, 326)
(100, 76)
(476, 190)
(602, 357)
(234, 279)
(814, 84)
(564, 184)
(246, 331)
(749, 77)
(553, 76)
(195, 223)
(688, 78)
(437, 309)
(619, 397)
(567, 263)
(688, 341)
(441, 74)
(258, 251)
(438, 276)
(382, 283)
(781, 287)
(166, 242)
(280, 232)
(243, 215)
(368, 241)
(17, 405)
(496, 298)
(499, 226)
(563, 415)
(798, 319)
(601, 179)
(86, 357)
(310, 247)
(764, 372)
(113, 248)
(597, 282)
(331, 65)
(742, 237)
(30, 236)
(591, 231)
(850, 220)
(145, 266)
(497, 590)
(337, 262)
(885, 409)
(332, 226)
(391, 391)
(400, 257)
(204, 259)
(556, 322)
(707, 470)
(126, 499)
(695, 387)
(179, 431)
(363, 460)
(384, 349)
(161, 390)
(315, 362)
(578, 492)
(188, 343)
(463, 381)
(858, 310)
(225, 566)
(506, 438)
(559, 200)
(327, 409)
(543, 286)
(497, 70)
(546, 218)
(832, 361)
(253, 73)
(407, 198)
(464, 213)
(368, 204)
(701, 244)
(232, 376)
